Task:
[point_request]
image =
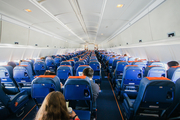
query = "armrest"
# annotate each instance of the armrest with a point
(129, 102)
(14, 99)
(118, 82)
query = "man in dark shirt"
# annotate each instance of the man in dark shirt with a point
(95, 88)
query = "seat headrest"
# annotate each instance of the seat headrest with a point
(47, 76)
(157, 78)
(77, 77)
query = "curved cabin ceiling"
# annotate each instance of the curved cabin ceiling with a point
(92, 21)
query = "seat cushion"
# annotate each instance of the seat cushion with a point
(83, 115)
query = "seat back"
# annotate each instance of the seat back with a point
(80, 69)
(50, 64)
(142, 65)
(76, 59)
(120, 68)
(22, 74)
(115, 63)
(78, 88)
(132, 76)
(42, 86)
(63, 72)
(72, 62)
(39, 67)
(173, 73)
(156, 71)
(29, 65)
(6, 76)
(173, 110)
(158, 64)
(66, 63)
(77, 64)
(57, 61)
(155, 94)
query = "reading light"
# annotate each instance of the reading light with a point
(119, 5)
(101, 33)
(28, 10)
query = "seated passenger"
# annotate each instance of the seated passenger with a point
(95, 88)
(51, 110)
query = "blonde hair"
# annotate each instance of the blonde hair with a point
(53, 108)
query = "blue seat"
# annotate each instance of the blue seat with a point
(118, 72)
(77, 64)
(173, 73)
(156, 94)
(29, 65)
(132, 76)
(42, 86)
(50, 65)
(76, 59)
(7, 80)
(63, 72)
(72, 62)
(80, 69)
(95, 65)
(22, 75)
(158, 64)
(78, 91)
(174, 109)
(114, 64)
(66, 63)
(141, 64)
(39, 67)
(58, 61)
(14, 103)
(155, 71)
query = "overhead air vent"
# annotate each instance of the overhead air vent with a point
(126, 43)
(36, 44)
(16, 42)
(171, 34)
(47, 45)
(140, 40)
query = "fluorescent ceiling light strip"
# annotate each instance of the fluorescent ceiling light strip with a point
(143, 13)
(53, 17)
(100, 20)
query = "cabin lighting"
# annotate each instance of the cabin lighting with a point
(119, 5)
(101, 33)
(28, 10)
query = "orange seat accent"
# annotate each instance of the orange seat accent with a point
(16, 104)
(66, 65)
(47, 76)
(70, 60)
(84, 65)
(175, 66)
(121, 61)
(154, 66)
(76, 77)
(130, 61)
(131, 65)
(157, 78)
(23, 65)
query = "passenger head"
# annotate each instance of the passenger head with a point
(88, 72)
(172, 63)
(53, 108)
(79, 57)
(125, 54)
(48, 72)
(113, 56)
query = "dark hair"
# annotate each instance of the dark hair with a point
(172, 63)
(53, 108)
(88, 72)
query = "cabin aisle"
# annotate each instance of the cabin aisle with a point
(107, 108)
